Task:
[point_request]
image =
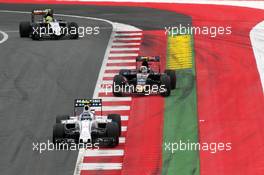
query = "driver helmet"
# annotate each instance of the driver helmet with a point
(86, 108)
(49, 13)
(143, 69)
(145, 63)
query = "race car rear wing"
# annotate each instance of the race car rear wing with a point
(39, 12)
(145, 60)
(90, 102)
(148, 58)
(80, 103)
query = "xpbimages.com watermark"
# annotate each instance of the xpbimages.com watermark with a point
(41, 147)
(212, 147)
(81, 30)
(212, 31)
(147, 89)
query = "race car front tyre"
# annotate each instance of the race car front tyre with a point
(165, 82)
(24, 29)
(58, 132)
(172, 75)
(112, 131)
(117, 119)
(118, 85)
(73, 30)
(59, 118)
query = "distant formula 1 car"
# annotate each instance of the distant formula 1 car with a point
(86, 127)
(144, 79)
(44, 26)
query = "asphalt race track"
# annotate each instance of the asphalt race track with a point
(40, 79)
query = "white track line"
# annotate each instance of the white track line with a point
(120, 67)
(100, 166)
(123, 54)
(126, 44)
(5, 37)
(125, 49)
(119, 27)
(123, 117)
(122, 139)
(126, 39)
(109, 75)
(257, 41)
(106, 90)
(114, 108)
(107, 82)
(121, 58)
(107, 99)
(252, 4)
(124, 128)
(128, 34)
(101, 152)
(122, 61)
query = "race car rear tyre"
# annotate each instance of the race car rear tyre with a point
(172, 75)
(73, 30)
(165, 82)
(118, 83)
(112, 131)
(59, 118)
(24, 29)
(58, 132)
(117, 119)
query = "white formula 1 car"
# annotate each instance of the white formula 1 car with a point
(39, 28)
(86, 127)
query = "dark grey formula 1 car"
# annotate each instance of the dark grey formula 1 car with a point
(144, 79)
